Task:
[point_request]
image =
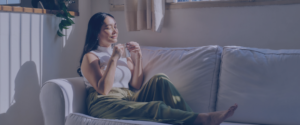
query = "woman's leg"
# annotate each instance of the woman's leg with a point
(214, 118)
(113, 106)
(160, 88)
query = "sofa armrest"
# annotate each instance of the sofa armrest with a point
(60, 97)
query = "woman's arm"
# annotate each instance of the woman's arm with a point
(136, 59)
(102, 80)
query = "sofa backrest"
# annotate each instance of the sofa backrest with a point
(264, 83)
(192, 70)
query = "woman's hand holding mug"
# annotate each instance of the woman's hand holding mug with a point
(134, 48)
(118, 51)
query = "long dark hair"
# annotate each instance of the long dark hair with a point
(94, 28)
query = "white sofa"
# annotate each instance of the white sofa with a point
(264, 83)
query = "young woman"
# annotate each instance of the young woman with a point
(110, 77)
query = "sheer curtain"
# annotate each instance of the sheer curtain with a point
(144, 14)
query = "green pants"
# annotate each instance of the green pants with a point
(158, 100)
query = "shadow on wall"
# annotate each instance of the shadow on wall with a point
(26, 108)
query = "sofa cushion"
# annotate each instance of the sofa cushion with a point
(81, 119)
(192, 70)
(230, 123)
(264, 83)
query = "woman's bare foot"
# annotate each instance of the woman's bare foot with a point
(215, 118)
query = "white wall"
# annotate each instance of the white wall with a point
(30, 54)
(273, 26)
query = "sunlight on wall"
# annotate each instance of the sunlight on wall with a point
(25, 38)
(4, 63)
(35, 42)
(21, 41)
(14, 51)
(67, 32)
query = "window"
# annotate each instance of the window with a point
(118, 5)
(10, 2)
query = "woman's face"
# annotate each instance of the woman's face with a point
(108, 33)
